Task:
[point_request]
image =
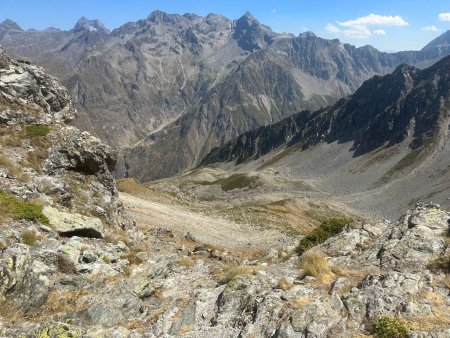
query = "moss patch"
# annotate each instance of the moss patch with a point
(36, 130)
(14, 207)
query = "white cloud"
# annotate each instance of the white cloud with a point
(431, 28)
(444, 16)
(359, 27)
(379, 32)
(332, 28)
(357, 32)
(375, 20)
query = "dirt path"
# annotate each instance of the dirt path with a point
(214, 230)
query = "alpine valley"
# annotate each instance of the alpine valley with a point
(196, 177)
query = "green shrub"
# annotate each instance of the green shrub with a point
(390, 327)
(16, 208)
(36, 130)
(327, 229)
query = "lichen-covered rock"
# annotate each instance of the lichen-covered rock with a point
(412, 242)
(18, 280)
(72, 224)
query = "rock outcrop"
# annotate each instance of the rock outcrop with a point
(57, 163)
(163, 286)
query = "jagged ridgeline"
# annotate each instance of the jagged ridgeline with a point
(383, 112)
(376, 150)
(169, 88)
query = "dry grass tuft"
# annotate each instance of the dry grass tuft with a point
(63, 301)
(116, 237)
(231, 271)
(132, 257)
(185, 261)
(298, 303)
(316, 265)
(13, 169)
(65, 265)
(184, 329)
(284, 284)
(9, 311)
(29, 237)
(39, 154)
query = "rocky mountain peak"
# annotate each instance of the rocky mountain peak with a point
(307, 34)
(10, 25)
(158, 17)
(250, 34)
(442, 41)
(92, 25)
(248, 16)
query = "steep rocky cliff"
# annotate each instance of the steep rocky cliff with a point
(376, 151)
(385, 111)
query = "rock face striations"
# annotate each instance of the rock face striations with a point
(384, 111)
(167, 89)
(392, 133)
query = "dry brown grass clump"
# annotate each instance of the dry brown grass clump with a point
(29, 237)
(9, 311)
(284, 284)
(185, 261)
(62, 301)
(185, 329)
(39, 154)
(231, 271)
(65, 265)
(300, 302)
(116, 237)
(316, 265)
(13, 169)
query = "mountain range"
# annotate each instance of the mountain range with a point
(166, 90)
(387, 144)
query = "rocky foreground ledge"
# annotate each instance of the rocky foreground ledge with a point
(158, 285)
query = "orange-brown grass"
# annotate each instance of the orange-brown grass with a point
(133, 187)
(284, 284)
(63, 301)
(316, 265)
(231, 271)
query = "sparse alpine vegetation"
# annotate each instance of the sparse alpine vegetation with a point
(390, 327)
(13, 207)
(37, 130)
(324, 231)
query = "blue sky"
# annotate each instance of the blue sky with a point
(385, 24)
